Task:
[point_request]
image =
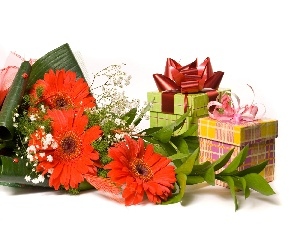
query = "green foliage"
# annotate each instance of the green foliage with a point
(14, 170)
(183, 150)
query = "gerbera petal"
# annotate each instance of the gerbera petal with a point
(92, 134)
(57, 171)
(165, 177)
(155, 158)
(76, 178)
(49, 78)
(148, 152)
(132, 146)
(65, 176)
(119, 177)
(133, 194)
(59, 120)
(161, 163)
(60, 79)
(141, 148)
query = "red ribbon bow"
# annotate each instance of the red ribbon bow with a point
(192, 78)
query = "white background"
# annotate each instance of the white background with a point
(254, 42)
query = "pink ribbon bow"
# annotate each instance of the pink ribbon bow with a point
(225, 110)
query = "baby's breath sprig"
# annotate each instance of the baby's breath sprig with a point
(25, 123)
(107, 87)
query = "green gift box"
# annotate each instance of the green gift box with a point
(158, 119)
(196, 102)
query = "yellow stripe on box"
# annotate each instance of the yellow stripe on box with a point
(237, 134)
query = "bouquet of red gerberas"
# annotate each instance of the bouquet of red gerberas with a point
(62, 131)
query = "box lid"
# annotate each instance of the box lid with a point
(237, 134)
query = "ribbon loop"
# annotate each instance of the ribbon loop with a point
(226, 110)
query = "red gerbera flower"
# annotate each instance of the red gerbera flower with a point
(141, 170)
(66, 154)
(62, 90)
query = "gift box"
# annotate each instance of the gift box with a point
(181, 88)
(197, 103)
(218, 137)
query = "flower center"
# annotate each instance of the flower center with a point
(61, 101)
(141, 170)
(70, 146)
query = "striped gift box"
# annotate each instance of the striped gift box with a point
(196, 102)
(217, 138)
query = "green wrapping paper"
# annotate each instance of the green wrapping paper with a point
(59, 58)
(12, 101)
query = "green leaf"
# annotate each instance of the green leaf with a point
(169, 149)
(178, 155)
(142, 114)
(181, 180)
(14, 173)
(12, 101)
(253, 169)
(150, 140)
(179, 125)
(192, 142)
(160, 150)
(241, 183)
(259, 184)
(180, 144)
(220, 162)
(189, 132)
(194, 180)
(201, 169)
(59, 58)
(165, 149)
(209, 176)
(182, 118)
(231, 186)
(187, 166)
(129, 116)
(150, 130)
(237, 161)
(165, 133)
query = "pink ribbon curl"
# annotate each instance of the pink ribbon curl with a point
(225, 110)
(8, 73)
